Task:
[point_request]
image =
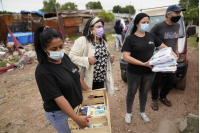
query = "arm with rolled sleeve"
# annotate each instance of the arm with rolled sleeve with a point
(77, 51)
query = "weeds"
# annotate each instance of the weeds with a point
(192, 41)
(195, 35)
(26, 49)
(3, 64)
(109, 33)
(111, 39)
(73, 38)
(15, 59)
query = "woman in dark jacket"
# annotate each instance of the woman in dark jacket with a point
(118, 34)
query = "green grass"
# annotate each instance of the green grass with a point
(15, 59)
(192, 41)
(195, 35)
(26, 49)
(73, 38)
(109, 36)
(111, 39)
(3, 64)
(109, 33)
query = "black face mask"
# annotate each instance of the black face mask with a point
(175, 19)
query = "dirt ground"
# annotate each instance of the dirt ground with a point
(21, 106)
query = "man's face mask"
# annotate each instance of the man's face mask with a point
(175, 19)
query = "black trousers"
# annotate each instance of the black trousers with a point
(97, 85)
(168, 85)
(134, 81)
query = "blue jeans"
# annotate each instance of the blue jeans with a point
(59, 120)
(118, 38)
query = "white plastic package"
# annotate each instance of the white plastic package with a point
(164, 61)
(161, 56)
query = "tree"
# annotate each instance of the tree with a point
(93, 5)
(108, 15)
(5, 12)
(49, 6)
(183, 3)
(69, 6)
(117, 9)
(192, 12)
(120, 9)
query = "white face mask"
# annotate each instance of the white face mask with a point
(56, 55)
(144, 27)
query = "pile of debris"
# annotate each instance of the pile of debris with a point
(11, 57)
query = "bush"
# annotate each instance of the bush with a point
(109, 33)
(73, 38)
(3, 64)
(107, 15)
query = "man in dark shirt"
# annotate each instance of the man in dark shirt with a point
(168, 32)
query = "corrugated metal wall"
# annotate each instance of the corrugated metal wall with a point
(36, 20)
(3, 29)
(9, 18)
(73, 25)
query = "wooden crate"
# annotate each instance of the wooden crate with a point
(103, 118)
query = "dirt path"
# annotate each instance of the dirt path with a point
(21, 109)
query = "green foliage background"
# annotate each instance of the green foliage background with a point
(108, 15)
(49, 6)
(69, 6)
(93, 5)
(120, 9)
(192, 13)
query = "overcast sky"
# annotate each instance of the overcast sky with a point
(32, 5)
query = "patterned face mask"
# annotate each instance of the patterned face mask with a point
(100, 32)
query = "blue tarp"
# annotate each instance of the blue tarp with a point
(38, 12)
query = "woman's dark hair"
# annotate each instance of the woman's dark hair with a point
(87, 33)
(117, 24)
(126, 21)
(42, 38)
(137, 20)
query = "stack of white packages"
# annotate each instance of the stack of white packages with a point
(163, 61)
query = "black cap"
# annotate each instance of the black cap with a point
(175, 8)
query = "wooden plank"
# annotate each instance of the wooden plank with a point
(52, 23)
(61, 23)
(72, 29)
(94, 92)
(68, 22)
(105, 95)
(94, 120)
(108, 113)
(93, 101)
(4, 30)
(78, 34)
(104, 129)
(76, 109)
